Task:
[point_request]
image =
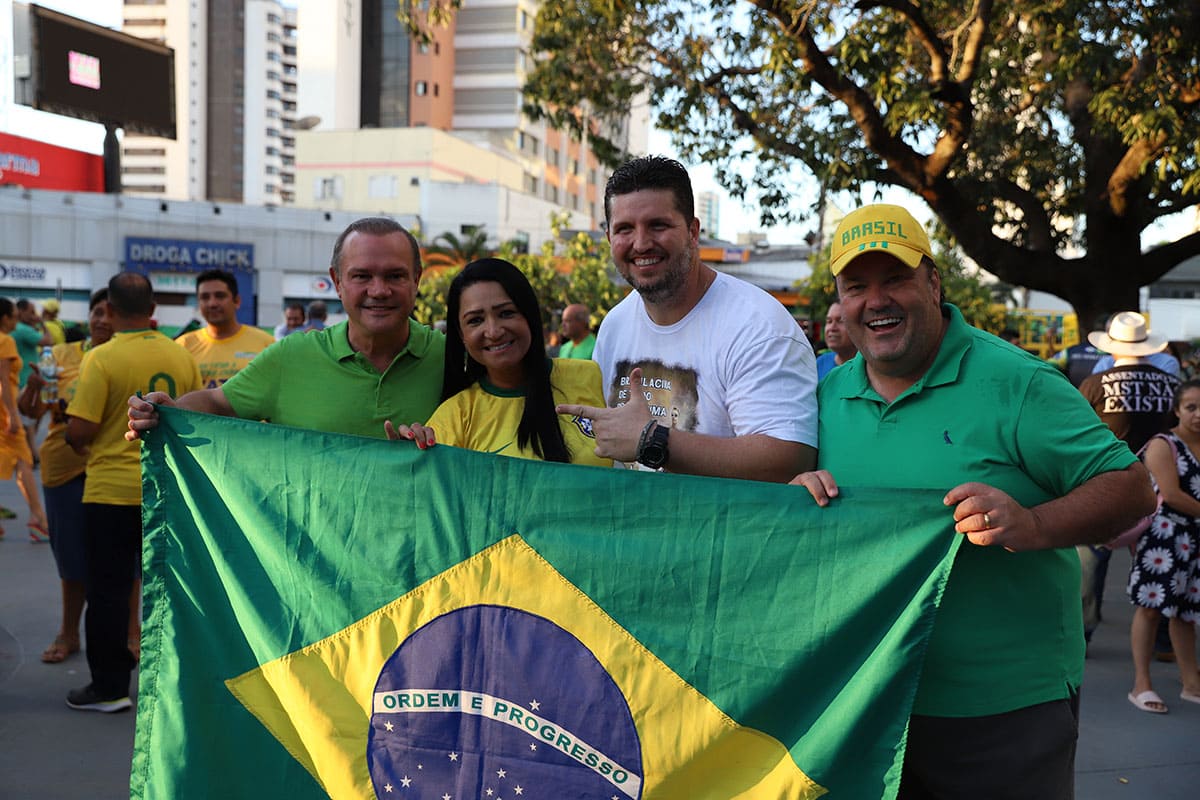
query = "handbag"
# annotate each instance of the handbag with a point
(1129, 537)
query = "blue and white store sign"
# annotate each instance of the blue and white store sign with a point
(172, 265)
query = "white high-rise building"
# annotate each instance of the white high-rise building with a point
(360, 68)
(235, 100)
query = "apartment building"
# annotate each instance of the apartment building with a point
(236, 101)
(360, 68)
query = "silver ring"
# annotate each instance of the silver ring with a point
(987, 521)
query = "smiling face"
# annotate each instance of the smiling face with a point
(99, 324)
(377, 283)
(654, 247)
(217, 305)
(294, 317)
(494, 332)
(893, 314)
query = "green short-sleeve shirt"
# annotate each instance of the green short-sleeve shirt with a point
(315, 380)
(1009, 633)
(582, 350)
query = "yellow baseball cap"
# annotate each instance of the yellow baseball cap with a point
(879, 227)
(51, 305)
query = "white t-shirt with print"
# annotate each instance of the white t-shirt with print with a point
(737, 364)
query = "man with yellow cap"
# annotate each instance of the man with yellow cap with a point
(1029, 472)
(52, 323)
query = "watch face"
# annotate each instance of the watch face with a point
(654, 454)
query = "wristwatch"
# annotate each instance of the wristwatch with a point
(652, 449)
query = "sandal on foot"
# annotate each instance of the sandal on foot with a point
(59, 650)
(1191, 697)
(1147, 700)
(38, 533)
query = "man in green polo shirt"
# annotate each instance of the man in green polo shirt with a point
(349, 378)
(1028, 473)
(578, 339)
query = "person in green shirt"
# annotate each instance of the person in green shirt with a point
(349, 378)
(578, 339)
(1028, 472)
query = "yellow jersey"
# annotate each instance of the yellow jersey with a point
(221, 359)
(485, 418)
(131, 362)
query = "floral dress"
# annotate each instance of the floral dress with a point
(1165, 575)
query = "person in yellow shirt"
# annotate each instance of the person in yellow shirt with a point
(224, 346)
(50, 321)
(137, 359)
(16, 457)
(63, 474)
(499, 389)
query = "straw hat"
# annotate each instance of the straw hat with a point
(1128, 335)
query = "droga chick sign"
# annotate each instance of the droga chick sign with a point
(174, 253)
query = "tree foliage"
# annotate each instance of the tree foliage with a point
(451, 250)
(567, 271)
(1046, 135)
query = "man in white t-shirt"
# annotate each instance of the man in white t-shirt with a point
(704, 374)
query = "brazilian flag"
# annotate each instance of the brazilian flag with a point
(336, 616)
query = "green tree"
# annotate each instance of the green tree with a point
(451, 250)
(563, 272)
(1034, 129)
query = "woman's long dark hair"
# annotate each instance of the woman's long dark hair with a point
(539, 430)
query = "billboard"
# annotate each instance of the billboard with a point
(37, 165)
(78, 69)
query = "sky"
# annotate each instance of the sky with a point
(734, 217)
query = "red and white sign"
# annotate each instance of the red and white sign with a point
(37, 165)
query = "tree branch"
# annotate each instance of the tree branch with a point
(1164, 258)
(1129, 170)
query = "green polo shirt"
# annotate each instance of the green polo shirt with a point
(1009, 633)
(582, 350)
(315, 380)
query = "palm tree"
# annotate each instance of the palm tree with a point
(449, 250)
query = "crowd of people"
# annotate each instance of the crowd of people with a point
(694, 372)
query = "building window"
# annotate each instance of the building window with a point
(553, 194)
(328, 188)
(382, 186)
(574, 166)
(435, 90)
(145, 151)
(272, 151)
(272, 170)
(552, 155)
(421, 88)
(272, 132)
(272, 94)
(531, 184)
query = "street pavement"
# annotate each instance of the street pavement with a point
(48, 751)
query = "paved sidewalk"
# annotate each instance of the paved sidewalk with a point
(48, 751)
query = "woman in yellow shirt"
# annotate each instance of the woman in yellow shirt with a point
(15, 455)
(499, 389)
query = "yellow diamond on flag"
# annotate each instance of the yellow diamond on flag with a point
(496, 674)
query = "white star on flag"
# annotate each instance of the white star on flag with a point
(387, 787)
(388, 725)
(501, 773)
(454, 756)
(535, 705)
(405, 781)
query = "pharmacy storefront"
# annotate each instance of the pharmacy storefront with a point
(173, 264)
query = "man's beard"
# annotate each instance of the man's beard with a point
(672, 279)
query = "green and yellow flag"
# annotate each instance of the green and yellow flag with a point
(336, 616)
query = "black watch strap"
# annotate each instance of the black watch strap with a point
(652, 446)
